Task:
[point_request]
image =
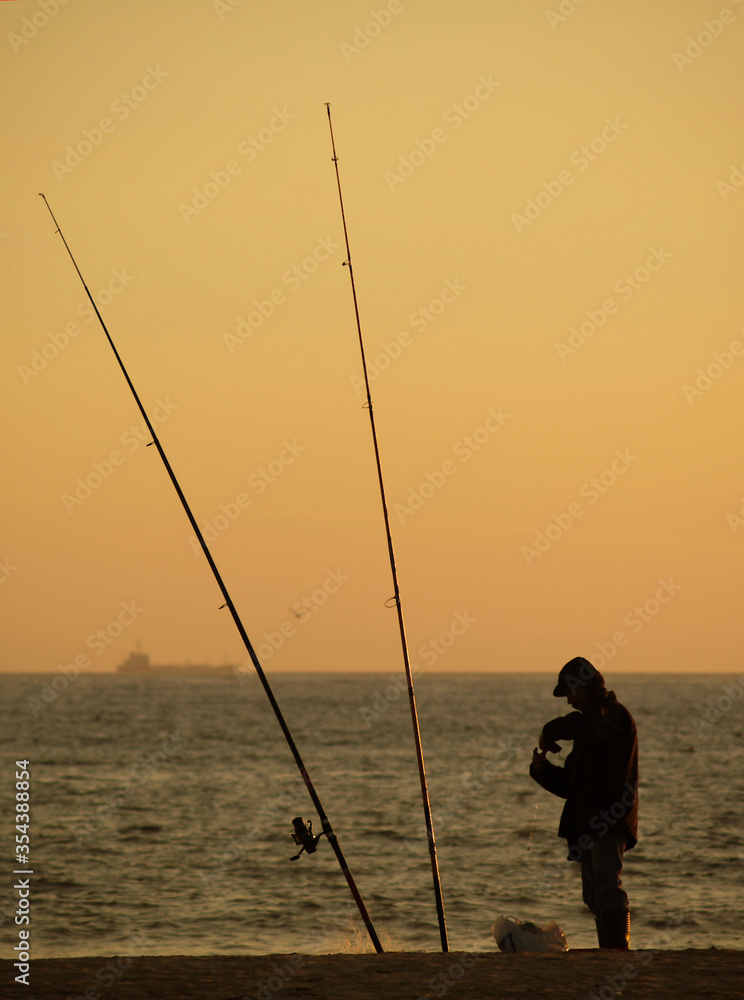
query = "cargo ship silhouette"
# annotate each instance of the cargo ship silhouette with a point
(139, 663)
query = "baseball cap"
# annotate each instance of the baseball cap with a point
(577, 673)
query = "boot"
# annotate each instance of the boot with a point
(615, 930)
(600, 932)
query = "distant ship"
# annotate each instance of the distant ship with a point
(139, 663)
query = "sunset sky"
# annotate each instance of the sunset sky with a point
(545, 203)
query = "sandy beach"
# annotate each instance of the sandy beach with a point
(656, 975)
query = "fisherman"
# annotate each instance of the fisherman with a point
(600, 785)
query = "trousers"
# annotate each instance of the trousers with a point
(601, 870)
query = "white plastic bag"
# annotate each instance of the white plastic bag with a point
(513, 934)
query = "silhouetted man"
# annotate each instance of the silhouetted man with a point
(600, 785)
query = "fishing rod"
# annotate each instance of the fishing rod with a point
(303, 832)
(396, 590)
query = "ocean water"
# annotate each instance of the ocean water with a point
(161, 813)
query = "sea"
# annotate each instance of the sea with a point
(161, 813)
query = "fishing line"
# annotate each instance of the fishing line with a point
(395, 600)
(306, 837)
(532, 829)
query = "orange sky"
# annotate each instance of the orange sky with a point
(545, 206)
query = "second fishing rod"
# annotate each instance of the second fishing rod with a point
(395, 599)
(303, 835)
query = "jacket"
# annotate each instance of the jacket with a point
(599, 780)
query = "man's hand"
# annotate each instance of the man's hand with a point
(548, 745)
(539, 760)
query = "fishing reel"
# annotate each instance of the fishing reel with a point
(303, 836)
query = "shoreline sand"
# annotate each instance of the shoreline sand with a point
(713, 974)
